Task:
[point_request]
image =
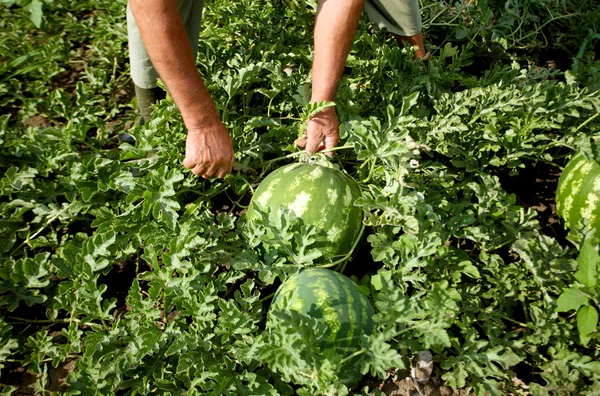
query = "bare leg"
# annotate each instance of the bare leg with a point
(416, 40)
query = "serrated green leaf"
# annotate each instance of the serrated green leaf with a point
(467, 268)
(380, 357)
(588, 262)
(503, 356)
(571, 298)
(35, 8)
(587, 321)
(8, 344)
(8, 390)
(537, 390)
(587, 365)
(312, 109)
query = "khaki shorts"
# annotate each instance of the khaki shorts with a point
(401, 17)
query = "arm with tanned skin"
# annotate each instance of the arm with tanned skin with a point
(335, 28)
(209, 149)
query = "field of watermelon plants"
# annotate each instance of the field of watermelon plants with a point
(123, 273)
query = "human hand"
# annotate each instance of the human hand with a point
(322, 132)
(209, 151)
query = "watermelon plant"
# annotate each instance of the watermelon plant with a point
(122, 273)
(319, 196)
(328, 319)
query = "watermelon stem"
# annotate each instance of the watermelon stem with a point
(517, 322)
(299, 153)
(371, 170)
(586, 122)
(329, 150)
(49, 221)
(262, 300)
(50, 321)
(266, 165)
(344, 259)
(242, 196)
(352, 356)
(554, 164)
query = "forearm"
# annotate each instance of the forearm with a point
(167, 43)
(335, 28)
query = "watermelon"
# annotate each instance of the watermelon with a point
(578, 193)
(319, 196)
(331, 299)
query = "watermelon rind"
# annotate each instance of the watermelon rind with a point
(331, 299)
(578, 195)
(319, 196)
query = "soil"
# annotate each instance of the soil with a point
(407, 387)
(125, 94)
(535, 187)
(119, 281)
(37, 121)
(68, 78)
(25, 380)
(399, 383)
(362, 263)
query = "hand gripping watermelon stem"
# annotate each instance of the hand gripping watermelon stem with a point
(299, 153)
(266, 165)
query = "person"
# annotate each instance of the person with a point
(163, 36)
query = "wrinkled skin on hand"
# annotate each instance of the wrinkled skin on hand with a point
(209, 151)
(322, 132)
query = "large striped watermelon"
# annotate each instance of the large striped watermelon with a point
(320, 196)
(333, 300)
(578, 193)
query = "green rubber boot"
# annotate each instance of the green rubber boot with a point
(146, 97)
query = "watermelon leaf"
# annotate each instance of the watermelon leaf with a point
(35, 8)
(588, 263)
(571, 299)
(587, 321)
(381, 357)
